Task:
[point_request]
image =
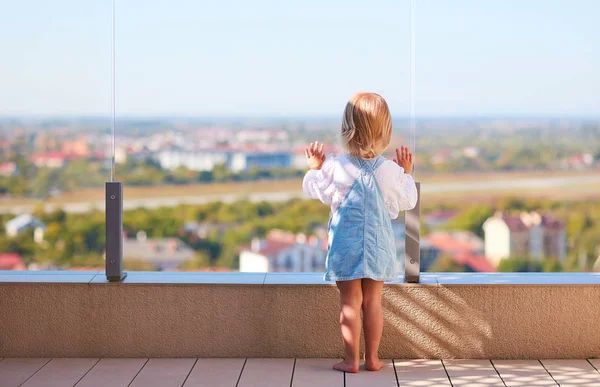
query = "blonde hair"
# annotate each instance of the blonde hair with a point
(367, 125)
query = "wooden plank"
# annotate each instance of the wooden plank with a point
(472, 373)
(61, 372)
(571, 373)
(13, 371)
(519, 373)
(384, 377)
(164, 373)
(267, 372)
(112, 372)
(421, 372)
(317, 373)
(215, 372)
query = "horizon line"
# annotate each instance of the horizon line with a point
(5, 117)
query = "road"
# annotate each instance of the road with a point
(541, 184)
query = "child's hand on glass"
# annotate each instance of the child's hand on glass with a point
(315, 156)
(404, 159)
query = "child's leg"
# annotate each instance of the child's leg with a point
(350, 302)
(372, 322)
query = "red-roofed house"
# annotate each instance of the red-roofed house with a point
(284, 252)
(580, 161)
(11, 261)
(8, 168)
(50, 159)
(455, 243)
(463, 247)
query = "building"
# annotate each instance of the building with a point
(203, 230)
(267, 136)
(442, 156)
(78, 147)
(299, 158)
(165, 253)
(284, 252)
(8, 169)
(195, 160)
(457, 242)
(11, 261)
(24, 222)
(242, 161)
(50, 159)
(578, 162)
(554, 238)
(526, 235)
(120, 155)
(465, 248)
(471, 152)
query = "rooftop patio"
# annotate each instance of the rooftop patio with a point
(191, 372)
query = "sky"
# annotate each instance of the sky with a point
(302, 58)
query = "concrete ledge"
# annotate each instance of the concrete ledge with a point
(449, 315)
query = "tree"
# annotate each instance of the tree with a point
(471, 219)
(519, 264)
(552, 265)
(512, 204)
(130, 264)
(445, 264)
(200, 261)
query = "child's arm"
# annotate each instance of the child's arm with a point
(318, 181)
(399, 188)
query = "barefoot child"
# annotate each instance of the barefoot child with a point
(365, 192)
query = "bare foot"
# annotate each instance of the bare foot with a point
(350, 367)
(374, 365)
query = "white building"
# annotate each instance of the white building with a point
(284, 252)
(254, 136)
(24, 222)
(120, 155)
(201, 160)
(299, 159)
(528, 235)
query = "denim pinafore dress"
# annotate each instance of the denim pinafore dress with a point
(361, 240)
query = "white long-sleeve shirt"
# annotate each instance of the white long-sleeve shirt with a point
(333, 181)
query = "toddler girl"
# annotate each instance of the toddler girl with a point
(365, 192)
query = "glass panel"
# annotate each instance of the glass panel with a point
(216, 103)
(509, 135)
(54, 128)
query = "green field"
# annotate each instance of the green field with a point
(570, 192)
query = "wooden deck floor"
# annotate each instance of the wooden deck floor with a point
(60, 372)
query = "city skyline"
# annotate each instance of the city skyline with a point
(482, 59)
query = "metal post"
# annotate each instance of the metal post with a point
(114, 193)
(412, 221)
(114, 231)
